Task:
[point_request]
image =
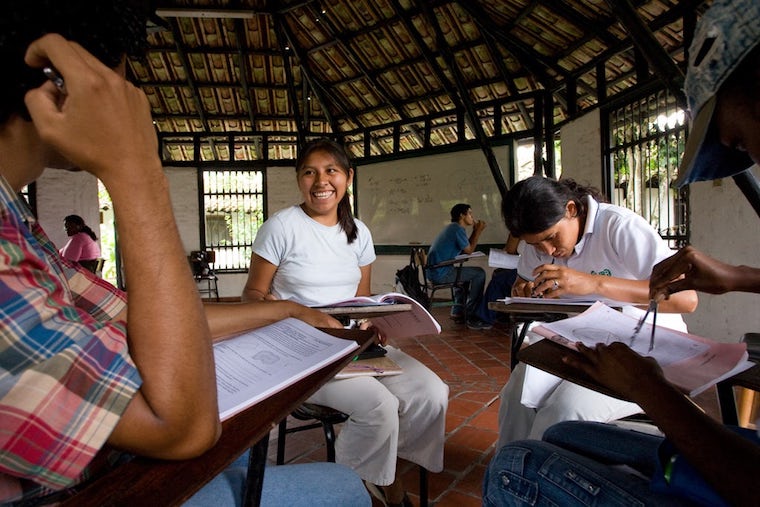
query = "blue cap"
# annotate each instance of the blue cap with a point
(726, 34)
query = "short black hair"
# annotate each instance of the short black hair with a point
(458, 210)
(109, 29)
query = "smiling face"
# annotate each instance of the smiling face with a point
(323, 183)
(560, 239)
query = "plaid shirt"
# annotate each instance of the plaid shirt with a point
(65, 372)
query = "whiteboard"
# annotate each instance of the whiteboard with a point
(408, 201)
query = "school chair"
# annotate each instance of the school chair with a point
(204, 276)
(418, 261)
(327, 418)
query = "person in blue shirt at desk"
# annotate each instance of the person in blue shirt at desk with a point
(700, 462)
(449, 243)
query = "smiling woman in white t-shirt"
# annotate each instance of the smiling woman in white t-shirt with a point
(317, 253)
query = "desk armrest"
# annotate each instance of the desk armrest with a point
(145, 481)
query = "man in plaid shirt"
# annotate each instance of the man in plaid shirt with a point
(75, 373)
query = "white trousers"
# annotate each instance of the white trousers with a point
(567, 402)
(399, 416)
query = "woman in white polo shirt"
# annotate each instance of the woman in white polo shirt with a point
(576, 245)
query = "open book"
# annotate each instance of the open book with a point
(416, 322)
(373, 367)
(258, 363)
(688, 361)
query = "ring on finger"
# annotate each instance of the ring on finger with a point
(556, 285)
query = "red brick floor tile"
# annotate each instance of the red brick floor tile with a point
(487, 419)
(464, 408)
(473, 438)
(460, 459)
(457, 499)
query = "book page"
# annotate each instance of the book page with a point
(416, 322)
(500, 259)
(688, 361)
(261, 362)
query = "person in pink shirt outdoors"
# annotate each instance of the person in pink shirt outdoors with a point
(82, 246)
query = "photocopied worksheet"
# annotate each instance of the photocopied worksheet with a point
(254, 365)
(689, 361)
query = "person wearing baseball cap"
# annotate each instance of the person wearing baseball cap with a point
(723, 66)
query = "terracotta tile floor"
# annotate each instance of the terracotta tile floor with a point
(475, 365)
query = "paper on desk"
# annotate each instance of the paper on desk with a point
(500, 259)
(256, 364)
(472, 255)
(567, 301)
(690, 362)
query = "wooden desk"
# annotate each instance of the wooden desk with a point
(145, 481)
(526, 313)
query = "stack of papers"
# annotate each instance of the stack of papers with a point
(688, 361)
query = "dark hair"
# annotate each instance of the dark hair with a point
(537, 203)
(458, 210)
(338, 152)
(109, 29)
(76, 219)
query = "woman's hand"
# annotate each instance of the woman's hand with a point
(522, 288)
(690, 269)
(366, 324)
(553, 281)
(618, 368)
(314, 317)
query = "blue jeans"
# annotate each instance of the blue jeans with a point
(532, 472)
(477, 279)
(499, 287)
(303, 485)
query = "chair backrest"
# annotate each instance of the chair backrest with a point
(99, 267)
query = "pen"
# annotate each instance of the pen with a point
(56, 78)
(541, 295)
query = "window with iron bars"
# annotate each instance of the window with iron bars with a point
(645, 146)
(233, 208)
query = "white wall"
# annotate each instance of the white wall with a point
(61, 193)
(723, 225)
(582, 149)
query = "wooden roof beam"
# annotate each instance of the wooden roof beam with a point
(177, 35)
(662, 64)
(464, 95)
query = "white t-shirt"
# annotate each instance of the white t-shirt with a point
(616, 242)
(315, 263)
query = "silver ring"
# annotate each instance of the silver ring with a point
(556, 285)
